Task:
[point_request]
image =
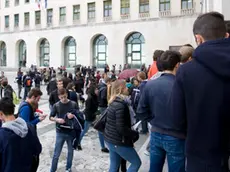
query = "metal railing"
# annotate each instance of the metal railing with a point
(144, 15)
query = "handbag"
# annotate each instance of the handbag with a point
(100, 123)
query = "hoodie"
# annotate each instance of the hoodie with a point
(17, 140)
(200, 100)
(8, 92)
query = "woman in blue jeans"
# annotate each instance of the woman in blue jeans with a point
(118, 133)
(91, 106)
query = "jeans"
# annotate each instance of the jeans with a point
(162, 146)
(27, 90)
(87, 124)
(61, 138)
(127, 153)
(100, 135)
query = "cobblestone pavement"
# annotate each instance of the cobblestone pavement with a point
(90, 159)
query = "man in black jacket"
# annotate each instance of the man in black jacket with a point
(52, 84)
(54, 94)
(103, 104)
(201, 95)
(166, 138)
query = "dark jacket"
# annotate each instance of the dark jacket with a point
(200, 102)
(51, 86)
(153, 106)
(18, 145)
(8, 92)
(79, 85)
(53, 97)
(73, 96)
(118, 124)
(102, 95)
(91, 106)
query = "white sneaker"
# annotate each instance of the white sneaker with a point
(147, 153)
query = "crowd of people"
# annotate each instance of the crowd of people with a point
(181, 100)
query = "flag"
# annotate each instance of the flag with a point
(45, 3)
(39, 3)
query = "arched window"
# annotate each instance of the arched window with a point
(70, 52)
(3, 54)
(134, 50)
(22, 54)
(100, 44)
(45, 53)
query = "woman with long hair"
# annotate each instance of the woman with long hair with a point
(91, 106)
(119, 135)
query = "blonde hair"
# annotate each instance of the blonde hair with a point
(116, 89)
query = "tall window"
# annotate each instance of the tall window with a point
(7, 22)
(164, 5)
(125, 7)
(37, 17)
(7, 3)
(134, 49)
(49, 17)
(70, 52)
(91, 10)
(22, 54)
(27, 1)
(107, 8)
(16, 20)
(144, 6)
(26, 19)
(3, 54)
(44, 53)
(62, 14)
(16, 2)
(186, 4)
(100, 51)
(76, 12)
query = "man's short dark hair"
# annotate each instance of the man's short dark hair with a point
(62, 91)
(34, 92)
(169, 59)
(210, 26)
(228, 26)
(157, 54)
(7, 106)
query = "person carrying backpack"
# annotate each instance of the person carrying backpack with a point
(27, 113)
(27, 83)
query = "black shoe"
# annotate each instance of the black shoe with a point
(79, 147)
(105, 150)
(20, 97)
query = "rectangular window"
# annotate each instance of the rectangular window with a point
(27, 1)
(143, 6)
(164, 5)
(37, 17)
(26, 19)
(62, 14)
(7, 3)
(76, 12)
(7, 22)
(91, 10)
(16, 20)
(16, 2)
(49, 16)
(108, 8)
(186, 4)
(125, 7)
